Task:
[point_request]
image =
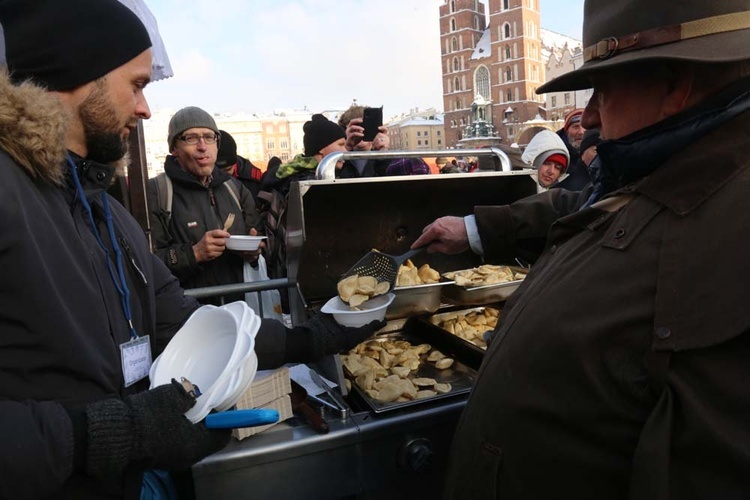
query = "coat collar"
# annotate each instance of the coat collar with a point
(32, 129)
(680, 161)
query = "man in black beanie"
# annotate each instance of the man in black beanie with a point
(85, 306)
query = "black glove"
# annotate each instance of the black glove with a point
(149, 428)
(321, 335)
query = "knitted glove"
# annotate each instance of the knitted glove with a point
(321, 335)
(149, 428)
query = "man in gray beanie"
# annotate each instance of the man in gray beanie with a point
(619, 368)
(190, 236)
(85, 305)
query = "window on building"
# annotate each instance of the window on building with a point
(506, 4)
(438, 133)
(453, 25)
(284, 145)
(456, 85)
(482, 82)
(419, 134)
(270, 145)
(269, 129)
(458, 104)
(455, 64)
(426, 142)
(506, 30)
(508, 74)
(453, 6)
(454, 44)
(476, 22)
(284, 157)
(567, 98)
(509, 96)
(439, 142)
(554, 101)
(507, 52)
(419, 143)
(282, 128)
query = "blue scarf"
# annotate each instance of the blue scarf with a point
(623, 161)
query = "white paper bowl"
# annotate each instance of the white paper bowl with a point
(244, 243)
(372, 310)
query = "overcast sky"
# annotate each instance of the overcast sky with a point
(261, 55)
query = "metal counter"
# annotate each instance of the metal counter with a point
(395, 456)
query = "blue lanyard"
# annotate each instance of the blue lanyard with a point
(118, 276)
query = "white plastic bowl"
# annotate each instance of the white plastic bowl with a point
(244, 243)
(372, 310)
(215, 350)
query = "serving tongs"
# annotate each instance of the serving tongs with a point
(381, 266)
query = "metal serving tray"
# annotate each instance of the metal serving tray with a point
(430, 329)
(416, 299)
(485, 294)
(460, 376)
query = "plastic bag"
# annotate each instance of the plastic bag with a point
(266, 304)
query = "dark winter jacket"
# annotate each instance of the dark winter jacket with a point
(354, 169)
(249, 175)
(197, 209)
(62, 320)
(637, 389)
(60, 316)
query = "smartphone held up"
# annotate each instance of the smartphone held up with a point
(372, 120)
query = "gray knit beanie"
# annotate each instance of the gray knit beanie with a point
(190, 117)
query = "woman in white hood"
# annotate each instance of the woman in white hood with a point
(547, 153)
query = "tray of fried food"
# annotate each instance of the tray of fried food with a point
(394, 371)
(484, 284)
(417, 291)
(470, 324)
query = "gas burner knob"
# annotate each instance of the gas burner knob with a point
(416, 455)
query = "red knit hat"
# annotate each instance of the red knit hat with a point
(572, 117)
(559, 159)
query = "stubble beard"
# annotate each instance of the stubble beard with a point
(104, 142)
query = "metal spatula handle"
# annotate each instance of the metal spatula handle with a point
(408, 255)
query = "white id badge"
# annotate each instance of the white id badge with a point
(136, 359)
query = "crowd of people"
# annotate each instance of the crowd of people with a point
(617, 370)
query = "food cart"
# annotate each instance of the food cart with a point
(372, 451)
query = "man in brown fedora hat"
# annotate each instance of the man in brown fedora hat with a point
(637, 388)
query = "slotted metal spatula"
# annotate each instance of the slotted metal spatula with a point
(381, 266)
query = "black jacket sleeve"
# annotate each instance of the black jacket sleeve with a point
(520, 229)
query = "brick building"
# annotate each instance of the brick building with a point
(495, 52)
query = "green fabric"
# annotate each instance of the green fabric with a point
(299, 163)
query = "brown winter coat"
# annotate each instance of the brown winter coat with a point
(622, 364)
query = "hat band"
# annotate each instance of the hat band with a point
(609, 47)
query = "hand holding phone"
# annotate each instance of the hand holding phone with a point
(372, 120)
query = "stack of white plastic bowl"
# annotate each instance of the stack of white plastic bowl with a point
(214, 350)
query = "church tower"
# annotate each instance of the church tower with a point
(518, 66)
(462, 23)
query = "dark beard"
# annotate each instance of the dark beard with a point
(103, 140)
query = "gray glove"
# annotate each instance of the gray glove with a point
(321, 335)
(149, 428)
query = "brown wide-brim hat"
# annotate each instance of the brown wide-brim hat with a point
(620, 33)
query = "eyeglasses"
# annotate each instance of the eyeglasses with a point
(194, 139)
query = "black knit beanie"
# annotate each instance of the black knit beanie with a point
(63, 44)
(319, 133)
(227, 155)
